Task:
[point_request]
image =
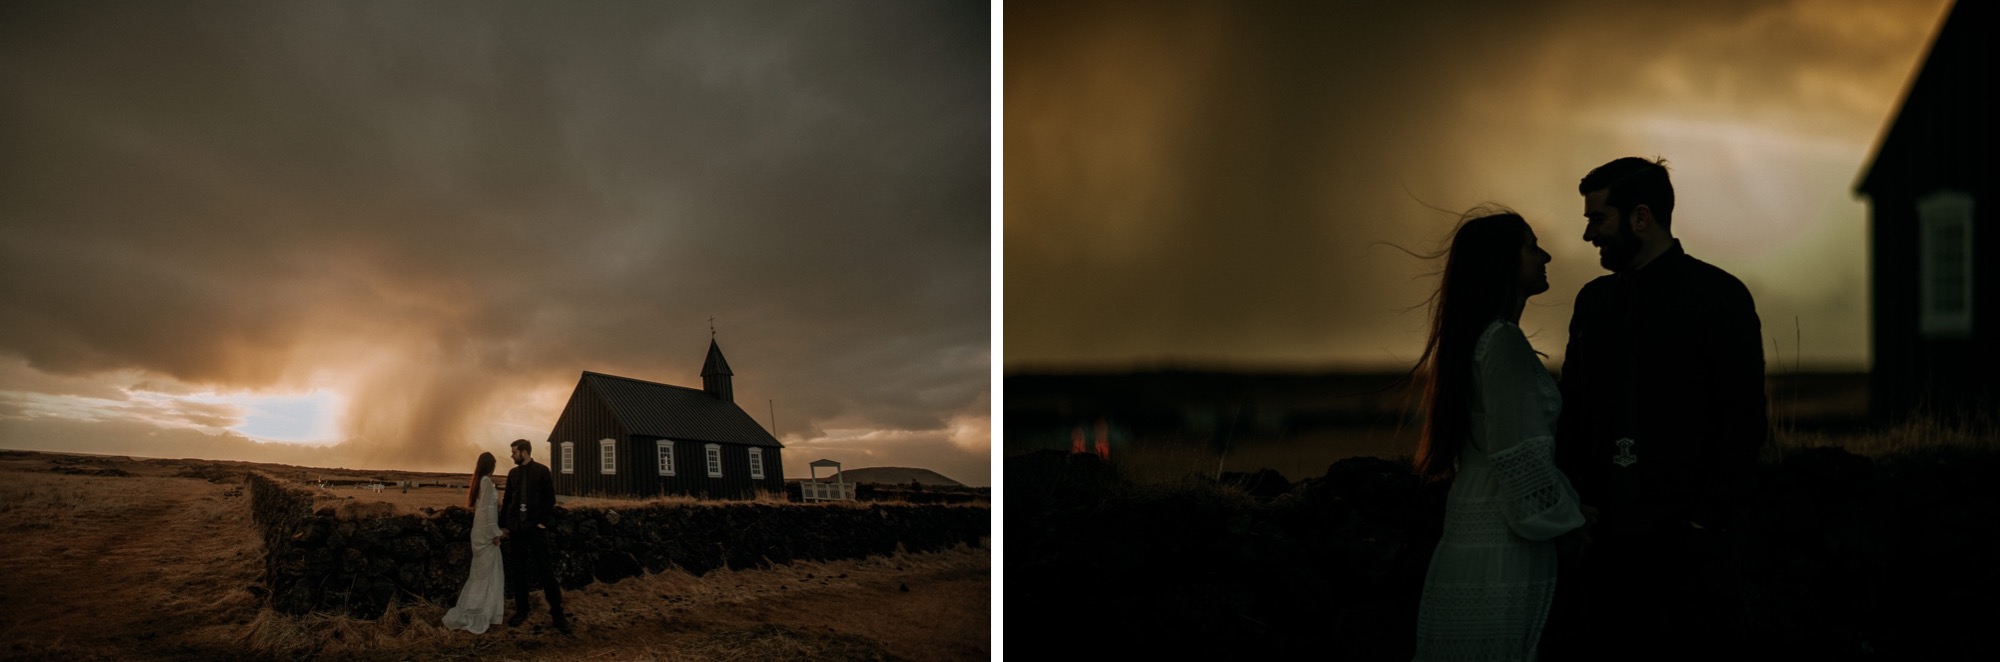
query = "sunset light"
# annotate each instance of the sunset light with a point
(1226, 180)
(394, 236)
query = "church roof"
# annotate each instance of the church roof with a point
(1942, 133)
(676, 412)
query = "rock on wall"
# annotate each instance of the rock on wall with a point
(328, 561)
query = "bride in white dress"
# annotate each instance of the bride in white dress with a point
(482, 601)
(1490, 410)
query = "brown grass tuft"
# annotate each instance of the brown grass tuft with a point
(1921, 433)
(36, 499)
(778, 642)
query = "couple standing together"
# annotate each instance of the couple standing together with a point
(1622, 480)
(521, 522)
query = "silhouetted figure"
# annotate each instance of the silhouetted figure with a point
(524, 522)
(1663, 385)
(1099, 443)
(1490, 411)
(1103, 438)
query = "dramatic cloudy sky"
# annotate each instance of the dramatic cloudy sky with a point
(1220, 183)
(391, 234)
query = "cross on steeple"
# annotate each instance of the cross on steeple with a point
(711, 327)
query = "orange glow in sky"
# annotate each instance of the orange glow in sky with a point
(1221, 179)
(394, 236)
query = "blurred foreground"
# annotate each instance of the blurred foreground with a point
(1860, 544)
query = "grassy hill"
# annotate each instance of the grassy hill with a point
(893, 476)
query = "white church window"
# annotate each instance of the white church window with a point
(568, 457)
(757, 463)
(608, 456)
(714, 461)
(665, 449)
(1944, 272)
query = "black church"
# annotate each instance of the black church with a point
(624, 437)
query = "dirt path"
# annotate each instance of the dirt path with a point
(98, 565)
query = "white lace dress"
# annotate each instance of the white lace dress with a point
(1494, 572)
(483, 599)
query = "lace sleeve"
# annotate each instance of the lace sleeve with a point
(486, 520)
(1537, 499)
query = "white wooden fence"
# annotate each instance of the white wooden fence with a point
(809, 491)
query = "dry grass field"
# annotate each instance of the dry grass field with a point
(119, 558)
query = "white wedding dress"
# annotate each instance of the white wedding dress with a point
(1493, 575)
(483, 600)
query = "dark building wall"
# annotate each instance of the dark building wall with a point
(1909, 370)
(1942, 137)
(1893, 286)
(691, 471)
(735, 482)
(774, 471)
(638, 466)
(687, 478)
(639, 471)
(585, 421)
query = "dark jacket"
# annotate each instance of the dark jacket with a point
(1670, 357)
(532, 478)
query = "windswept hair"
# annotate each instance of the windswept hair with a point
(481, 470)
(1479, 284)
(1632, 181)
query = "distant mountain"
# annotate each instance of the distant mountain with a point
(892, 476)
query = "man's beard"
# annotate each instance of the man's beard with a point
(1620, 249)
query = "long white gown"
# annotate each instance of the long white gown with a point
(1493, 575)
(483, 600)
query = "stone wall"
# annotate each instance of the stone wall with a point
(332, 561)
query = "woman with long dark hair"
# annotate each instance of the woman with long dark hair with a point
(1489, 416)
(483, 600)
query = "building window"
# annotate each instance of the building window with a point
(568, 457)
(714, 461)
(608, 456)
(757, 463)
(665, 449)
(1944, 245)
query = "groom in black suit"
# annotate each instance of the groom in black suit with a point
(1663, 420)
(524, 526)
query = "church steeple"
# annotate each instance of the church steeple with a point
(715, 374)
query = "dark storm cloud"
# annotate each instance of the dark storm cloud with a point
(1212, 182)
(440, 207)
